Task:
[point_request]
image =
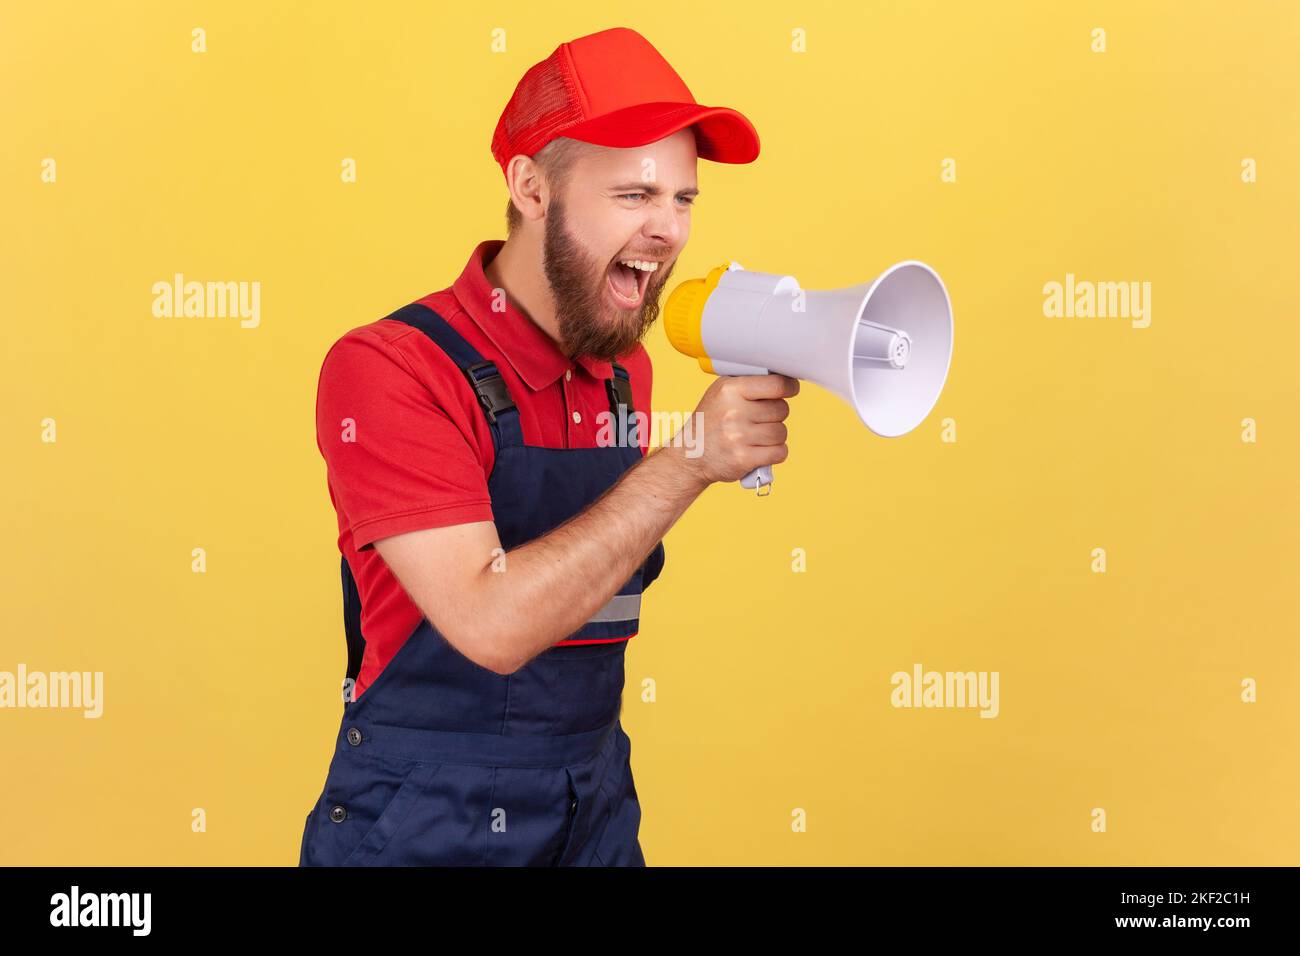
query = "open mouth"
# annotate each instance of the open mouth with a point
(628, 284)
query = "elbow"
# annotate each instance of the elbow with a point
(490, 651)
(483, 643)
(500, 664)
(503, 668)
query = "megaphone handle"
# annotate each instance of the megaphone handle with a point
(759, 479)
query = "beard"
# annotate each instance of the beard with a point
(588, 324)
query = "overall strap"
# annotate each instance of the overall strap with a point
(619, 388)
(352, 624)
(487, 383)
(490, 388)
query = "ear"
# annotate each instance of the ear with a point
(527, 187)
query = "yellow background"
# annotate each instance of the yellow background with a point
(1118, 690)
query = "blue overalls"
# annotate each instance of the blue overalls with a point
(443, 762)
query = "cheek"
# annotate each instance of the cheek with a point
(603, 232)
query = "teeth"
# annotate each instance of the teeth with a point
(638, 264)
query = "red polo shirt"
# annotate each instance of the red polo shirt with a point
(407, 446)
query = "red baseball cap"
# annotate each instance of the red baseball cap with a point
(613, 88)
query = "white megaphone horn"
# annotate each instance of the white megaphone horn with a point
(883, 346)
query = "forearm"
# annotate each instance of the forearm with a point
(546, 589)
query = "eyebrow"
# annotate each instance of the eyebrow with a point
(650, 189)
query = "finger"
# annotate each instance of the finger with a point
(766, 386)
(768, 409)
(769, 433)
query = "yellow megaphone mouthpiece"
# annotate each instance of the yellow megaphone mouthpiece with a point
(684, 315)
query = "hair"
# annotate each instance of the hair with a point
(555, 160)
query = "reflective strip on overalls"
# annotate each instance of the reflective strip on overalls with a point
(443, 762)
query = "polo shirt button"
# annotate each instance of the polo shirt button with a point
(338, 814)
(354, 736)
(568, 374)
(577, 418)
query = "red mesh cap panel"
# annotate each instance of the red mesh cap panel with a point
(544, 103)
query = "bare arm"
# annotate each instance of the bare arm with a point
(501, 610)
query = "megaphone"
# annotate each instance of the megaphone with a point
(884, 346)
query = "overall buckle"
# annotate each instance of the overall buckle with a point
(491, 390)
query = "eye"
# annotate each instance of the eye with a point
(631, 195)
(689, 200)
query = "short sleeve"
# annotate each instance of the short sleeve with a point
(399, 451)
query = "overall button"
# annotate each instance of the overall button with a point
(568, 374)
(577, 418)
(338, 814)
(354, 736)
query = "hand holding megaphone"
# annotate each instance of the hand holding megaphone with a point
(884, 346)
(739, 426)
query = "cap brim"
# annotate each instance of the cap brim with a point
(721, 134)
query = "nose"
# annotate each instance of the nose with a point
(665, 224)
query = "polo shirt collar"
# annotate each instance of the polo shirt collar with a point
(531, 352)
